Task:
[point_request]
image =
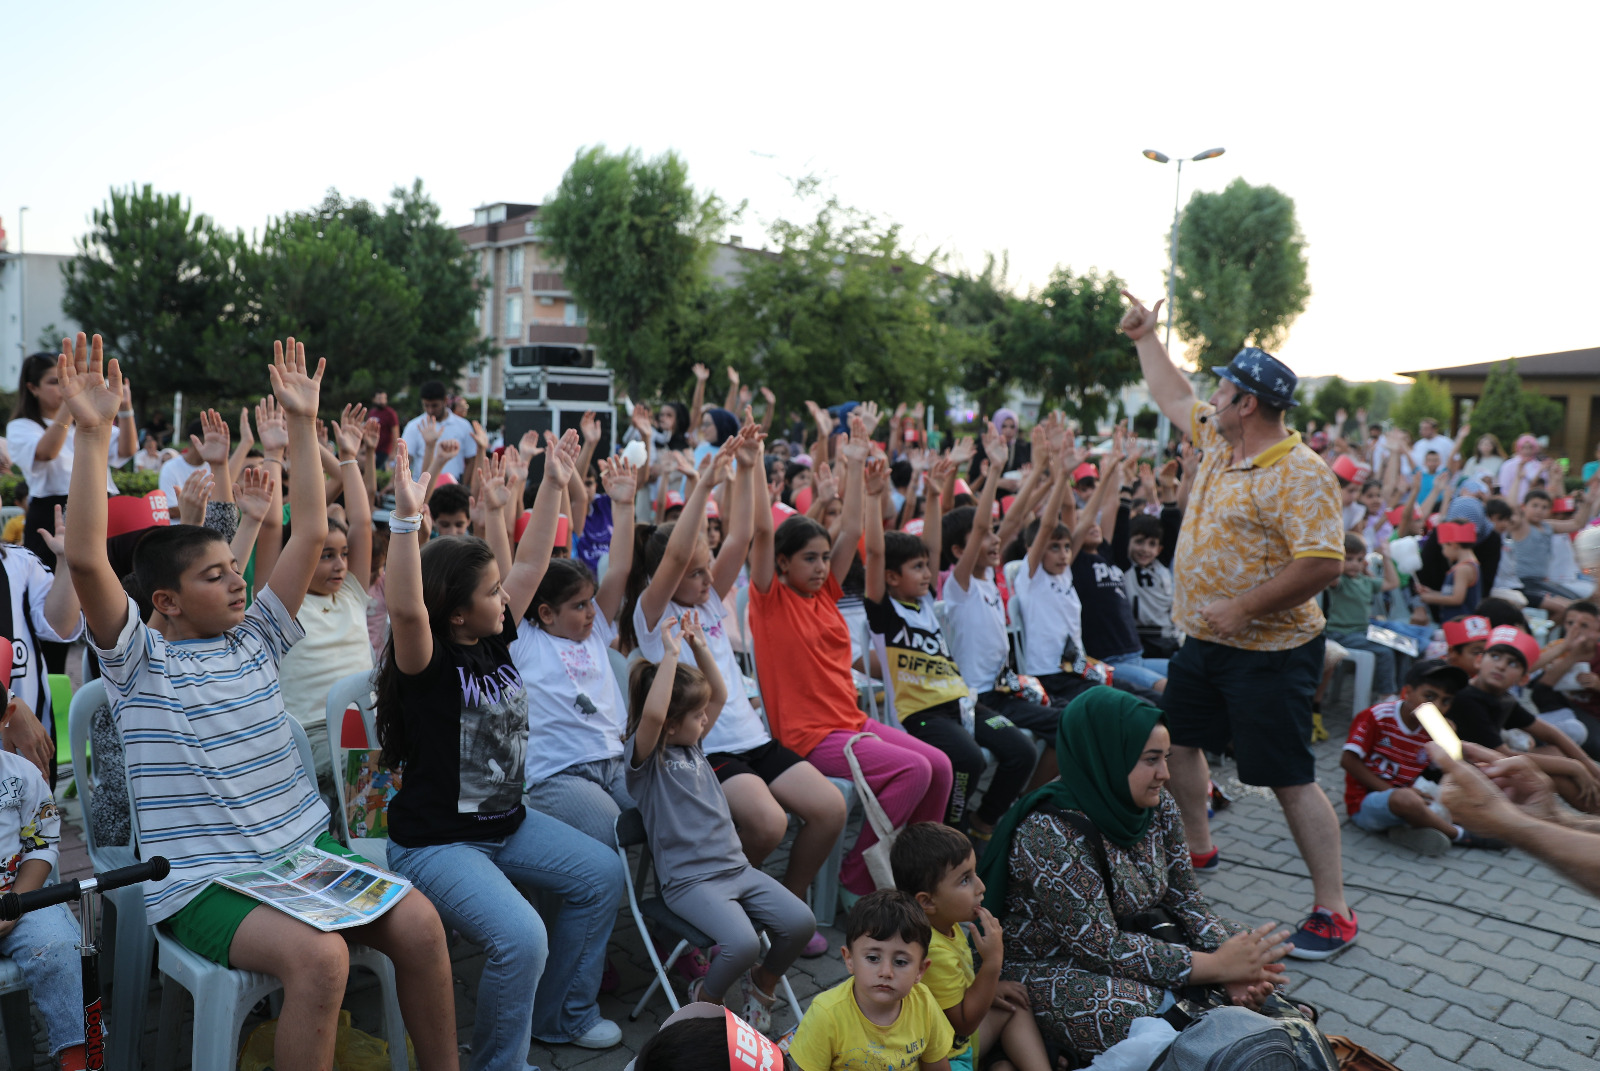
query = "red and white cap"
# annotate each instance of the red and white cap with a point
(130, 513)
(1465, 630)
(913, 526)
(1085, 471)
(1526, 646)
(1457, 532)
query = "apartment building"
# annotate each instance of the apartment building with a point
(525, 303)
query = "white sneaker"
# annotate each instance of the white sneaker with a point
(754, 1006)
(1423, 841)
(602, 1035)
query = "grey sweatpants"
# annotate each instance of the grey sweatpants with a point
(587, 796)
(728, 908)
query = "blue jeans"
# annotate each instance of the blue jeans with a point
(1374, 814)
(44, 944)
(1137, 670)
(478, 888)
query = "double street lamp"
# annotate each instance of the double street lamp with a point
(1163, 427)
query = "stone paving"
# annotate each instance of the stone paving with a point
(1475, 960)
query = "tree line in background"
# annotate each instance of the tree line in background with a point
(386, 294)
(843, 308)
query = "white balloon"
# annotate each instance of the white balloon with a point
(1586, 548)
(636, 453)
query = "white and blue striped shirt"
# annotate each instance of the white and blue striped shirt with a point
(213, 770)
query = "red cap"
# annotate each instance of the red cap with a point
(6, 663)
(674, 500)
(781, 513)
(1526, 646)
(913, 526)
(1464, 630)
(962, 487)
(1457, 532)
(1565, 504)
(1396, 515)
(1345, 467)
(711, 508)
(1005, 503)
(563, 527)
(443, 478)
(1085, 471)
(802, 499)
(129, 513)
(994, 510)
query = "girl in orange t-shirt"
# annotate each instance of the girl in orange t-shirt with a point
(803, 654)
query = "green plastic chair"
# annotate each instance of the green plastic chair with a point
(60, 703)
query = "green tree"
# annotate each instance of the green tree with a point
(324, 283)
(977, 312)
(841, 311)
(1333, 396)
(154, 279)
(1427, 397)
(1146, 422)
(1506, 411)
(632, 235)
(1384, 395)
(1064, 343)
(1241, 277)
(407, 233)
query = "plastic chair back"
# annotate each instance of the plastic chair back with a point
(353, 692)
(60, 703)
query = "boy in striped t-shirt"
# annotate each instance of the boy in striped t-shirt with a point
(1385, 754)
(213, 769)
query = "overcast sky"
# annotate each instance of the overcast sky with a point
(1442, 161)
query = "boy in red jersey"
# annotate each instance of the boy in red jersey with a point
(1386, 753)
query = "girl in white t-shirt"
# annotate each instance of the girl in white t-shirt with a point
(576, 714)
(334, 612)
(41, 446)
(674, 573)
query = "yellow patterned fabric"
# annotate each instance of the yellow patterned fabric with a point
(1244, 524)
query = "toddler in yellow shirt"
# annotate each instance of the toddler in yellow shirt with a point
(936, 864)
(882, 1018)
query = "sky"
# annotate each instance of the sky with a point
(1440, 156)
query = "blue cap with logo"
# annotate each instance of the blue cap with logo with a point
(1260, 373)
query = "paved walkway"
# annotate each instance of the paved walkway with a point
(1474, 960)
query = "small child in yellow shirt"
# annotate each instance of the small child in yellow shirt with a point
(882, 1018)
(937, 865)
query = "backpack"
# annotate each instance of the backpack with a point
(1237, 1039)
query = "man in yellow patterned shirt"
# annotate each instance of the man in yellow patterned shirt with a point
(1262, 536)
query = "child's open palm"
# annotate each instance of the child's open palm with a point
(297, 389)
(994, 447)
(856, 448)
(193, 496)
(91, 389)
(619, 478)
(748, 452)
(448, 449)
(876, 475)
(689, 624)
(272, 425)
(213, 449)
(409, 494)
(253, 493)
(430, 429)
(671, 638)
(351, 429)
(57, 540)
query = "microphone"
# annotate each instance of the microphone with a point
(1206, 417)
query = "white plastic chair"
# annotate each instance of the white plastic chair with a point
(223, 997)
(1365, 664)
(129, 939)
(631, 833)
(355, 691)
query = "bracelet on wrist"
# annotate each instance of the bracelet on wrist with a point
(350, 461)
(126, 414)
(405, 525)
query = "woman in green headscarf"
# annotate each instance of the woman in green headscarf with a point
(1088, 977)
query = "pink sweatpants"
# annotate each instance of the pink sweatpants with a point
(911, 779)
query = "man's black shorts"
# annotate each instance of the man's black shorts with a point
(1260, 700)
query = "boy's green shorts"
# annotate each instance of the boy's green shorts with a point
(206, 924)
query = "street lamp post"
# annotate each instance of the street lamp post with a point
(1163, 425)
(22, 287)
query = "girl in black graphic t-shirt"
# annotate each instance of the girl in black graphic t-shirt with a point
(453, 717)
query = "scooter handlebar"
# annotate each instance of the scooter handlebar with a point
(14, 905)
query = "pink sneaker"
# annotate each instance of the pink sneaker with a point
(817, 946)
(691, 965)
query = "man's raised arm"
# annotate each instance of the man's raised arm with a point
(1167, 385)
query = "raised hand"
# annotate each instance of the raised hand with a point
(559, 464)
(91, 389)
(273, 426)
(1139, 321)
(481, 437)
(641, 420)
(253, 493)
(193, 496)
(589, 425)
(298, 390)
(689, 625)
(246, 439)
(766, 392)
(962, 451)
(876, 476)
(940, 470)
(56, 540)
(858, 445)
(671, 638)
(409, 494)
(213, 450)
(733, 375)
(826, 484)
(868, 411)
(722, 460)
(529, 444)
(489, 479)
(748, 452)
(430, 429)
(371, 432)
(701, 372)
(619, 478)
(994, 447)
